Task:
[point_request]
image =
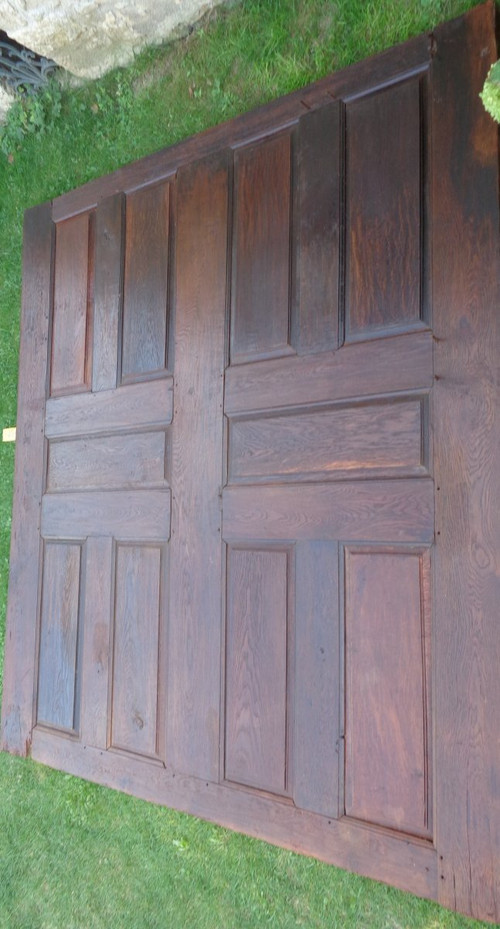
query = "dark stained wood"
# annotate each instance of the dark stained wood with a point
(387, 636)
(19, 666)
(108, 290)
(322, 444)
(59, 635)
(318, 261)
(145, 307)
(70, 317)
(95, 663)
(383, 231)
(135, 405)
(117, 461)
(260, 317)
(194, 643)
(136, 638)
(467, 468)
(125, 514)
(256, 668)
(318, 728)
(380, 511)
(401, 363)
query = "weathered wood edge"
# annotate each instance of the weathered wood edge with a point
(467, 467)
(20, 641)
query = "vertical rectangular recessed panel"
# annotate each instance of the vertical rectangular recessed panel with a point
(383, 224)
(57, 674)
(70, 329)
(256, 668)
(387, 679)
(136, 647)
(145, 306)
(261, 250)
(108, 291)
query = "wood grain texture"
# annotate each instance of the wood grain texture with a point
(128, 515)
(322, 444)
(319, 206)
(380, 511)
(376, 853)
(111, 462)
(134, 725)
(145, 306)
(95, 663)
(71, 311)
(57, 671)
(260, 314)
(318, 733)
(108, 291)
(19, 666)
(383, 231)
(400, 363)
(467, 468)
(387, 636)
(129, 407)
(256, 668)
(196, 471)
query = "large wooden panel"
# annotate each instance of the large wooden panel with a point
(71, 322)
(145, 309)
(136, 639)
(319, 200)
(112, 462)
(318, 698)
(387, 636)
(108, 290)
(260, 318)
(328, 443)
(196, 470)
(136, 405)
(126, 514)
(383, 223)
(381, 511)
(57, 672)
(96, 650)
(400, 363)
(256, 668)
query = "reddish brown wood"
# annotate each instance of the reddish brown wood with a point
(70, 315)
(96, 645)
(127, 515)
(108, 290)
(111, 462)
(129, 407)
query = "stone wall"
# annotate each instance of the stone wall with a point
(88, 37)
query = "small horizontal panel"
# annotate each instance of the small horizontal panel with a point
(256, 668)
(386, 511)
(136, 405)
(69, 368)
(387, 634)
(126, 515)
(59, 635)
(136, 649)
(111, 462)
(403, 362)
(373, 437)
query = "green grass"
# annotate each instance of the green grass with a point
(73, 854)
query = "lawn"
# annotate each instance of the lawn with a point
(74, 855)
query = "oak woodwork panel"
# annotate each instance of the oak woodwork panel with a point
(136, 639)
(57, 672)
(96, 652)
(70, 323)
(383, 224)
(145, 308)
(111, 462)
(387, 636)
(328, 443)
(134, 405)
(318, 723)
(128, 515)
(400, 363)
(260, 318)
(379, 511)
(256, 668)
(108, 291)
